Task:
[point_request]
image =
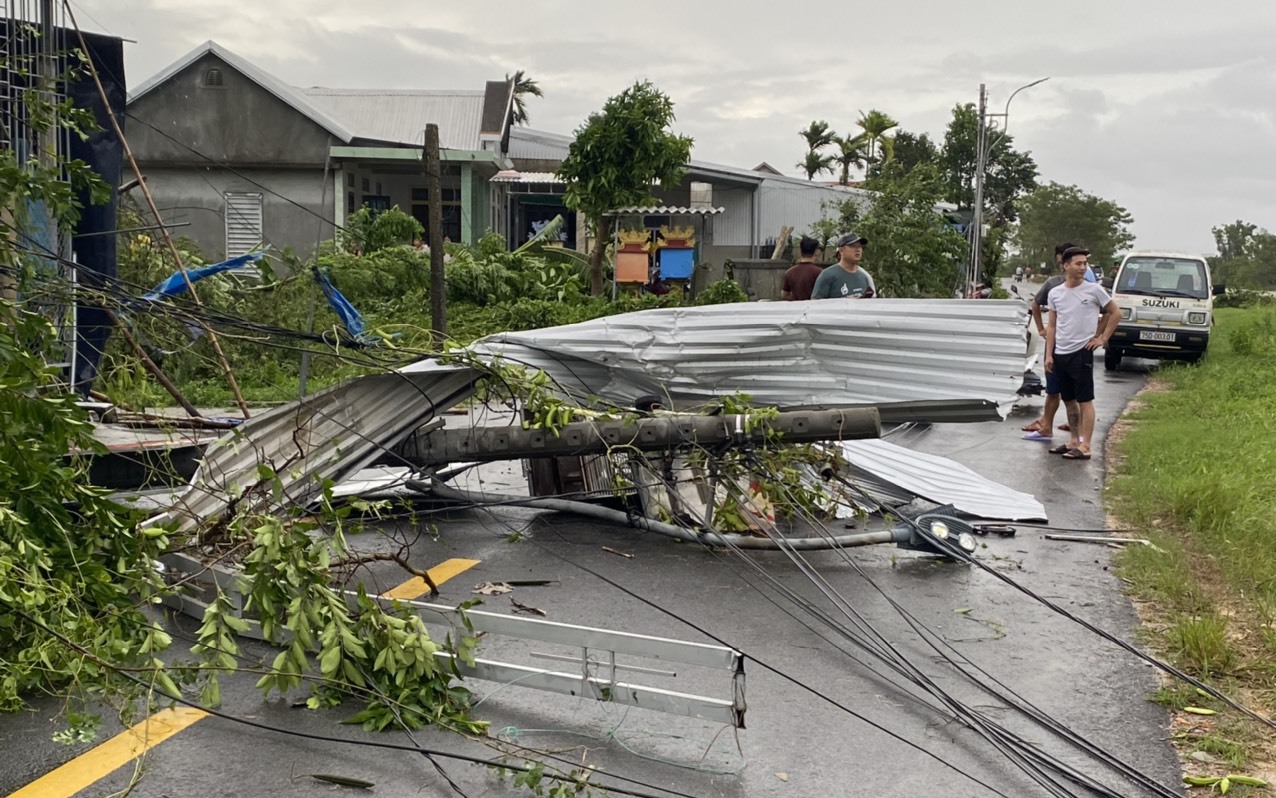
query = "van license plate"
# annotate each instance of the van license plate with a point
(1149, 335)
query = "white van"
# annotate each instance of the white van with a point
(1167, 307)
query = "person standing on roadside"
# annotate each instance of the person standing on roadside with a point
(1042, 429)
(846, 279)
(1071, 338)
(800, 278)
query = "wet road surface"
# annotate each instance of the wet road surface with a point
(796, 743)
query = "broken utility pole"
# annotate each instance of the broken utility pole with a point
(434, 195)
(477, 444)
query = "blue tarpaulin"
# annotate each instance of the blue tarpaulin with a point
(175, 284)
(341, 306)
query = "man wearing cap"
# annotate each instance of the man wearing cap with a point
(846, 279)
(1071, 338)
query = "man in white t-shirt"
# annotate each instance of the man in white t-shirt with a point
(1071, 338)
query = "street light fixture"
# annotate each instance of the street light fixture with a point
(983, 149)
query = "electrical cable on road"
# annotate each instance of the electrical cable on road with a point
(934, 641)
(761, 663)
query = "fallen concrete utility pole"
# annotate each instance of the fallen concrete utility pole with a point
(482, 444)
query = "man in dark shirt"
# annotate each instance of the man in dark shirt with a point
(800, 277)
(1042, 429)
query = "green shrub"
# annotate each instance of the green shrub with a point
(1243, 298)
(368, 231)
(1254, 336)
(722, 292)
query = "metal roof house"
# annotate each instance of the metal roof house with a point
(246, 159)
(756, 203)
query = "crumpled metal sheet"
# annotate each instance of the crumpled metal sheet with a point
(937, 479)
(788, 354)
(325, 436)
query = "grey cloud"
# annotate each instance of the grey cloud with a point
(1165, 107)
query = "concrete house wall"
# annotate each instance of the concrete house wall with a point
(244, 139)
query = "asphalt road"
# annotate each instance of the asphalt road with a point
(796, 743)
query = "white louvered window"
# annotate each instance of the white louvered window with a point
(243, 222)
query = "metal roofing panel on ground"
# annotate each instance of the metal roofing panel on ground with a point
(321, 437)
(822, 352)
(401, 116)
(940, 480)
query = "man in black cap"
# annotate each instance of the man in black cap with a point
(846, 279)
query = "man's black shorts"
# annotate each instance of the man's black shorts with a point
(1076, 375)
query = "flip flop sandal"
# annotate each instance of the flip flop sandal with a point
(1036, 436)
(1075, 454)
(1064, 428)
(1060, 449)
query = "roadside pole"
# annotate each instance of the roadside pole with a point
(434, 191)
(977, 212)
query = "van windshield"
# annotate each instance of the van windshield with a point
(1163, 277)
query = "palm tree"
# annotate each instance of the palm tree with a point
(875, 125)
(814, 163)
(817, 136)
(850, 152)
(523, 87)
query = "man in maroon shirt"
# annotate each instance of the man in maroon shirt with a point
(800, 277)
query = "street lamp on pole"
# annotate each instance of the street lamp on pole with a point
(984, 148)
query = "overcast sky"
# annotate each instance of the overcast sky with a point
(1167, 107)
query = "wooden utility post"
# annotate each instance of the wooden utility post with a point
(434, 193)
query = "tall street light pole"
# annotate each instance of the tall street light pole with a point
(984, 148)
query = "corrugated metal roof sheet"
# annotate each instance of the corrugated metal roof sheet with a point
(666, 210)
(940, 480)
(526, 177)
(325, 436)
(400, 116)
(820, 352)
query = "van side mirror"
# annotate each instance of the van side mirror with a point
(1106, 282)
(1219, 290)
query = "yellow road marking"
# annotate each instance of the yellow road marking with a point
(416, 587)
(101, 761)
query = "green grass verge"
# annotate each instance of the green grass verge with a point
(1196, 474)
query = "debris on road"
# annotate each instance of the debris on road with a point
(492, 588)
(1105, 540)
(521, 607)
(610, 550)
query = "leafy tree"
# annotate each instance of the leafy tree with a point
(1246, 256)
(1054, 213)
(368, 231)
(814, 164)
(817, 136)
(876, 125)
(524, 87)
(74, 572)
(615, 158)
(910, 151)
(913, 250)
(1008, 176)
(850, 152)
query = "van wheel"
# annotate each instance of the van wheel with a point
(1111, 358)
